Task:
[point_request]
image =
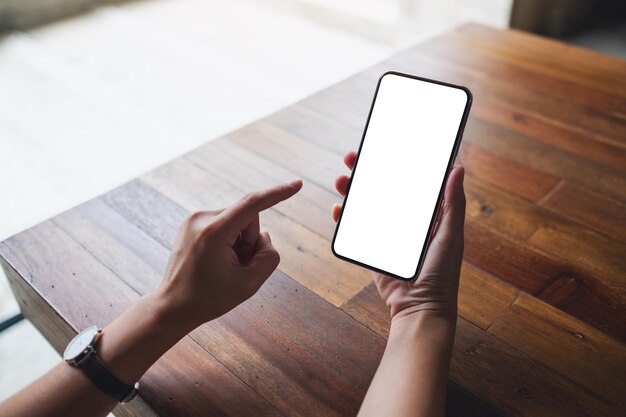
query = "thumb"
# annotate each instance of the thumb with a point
(264, 261)
(450, 231)
(445, 253)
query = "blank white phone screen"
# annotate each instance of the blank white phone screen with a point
(401, 166)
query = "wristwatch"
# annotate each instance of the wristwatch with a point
(81, 353)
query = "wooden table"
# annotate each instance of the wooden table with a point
(542, 318)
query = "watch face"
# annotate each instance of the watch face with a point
(80, 343)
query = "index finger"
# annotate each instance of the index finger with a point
(239, 215)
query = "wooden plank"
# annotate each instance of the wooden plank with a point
(556, 108)
(278, 369)
(587, 250)
(306, 257)
(552, 132)
(509, 260)
(311, 209)
(155, 215)
(311, 162)
(569, 284)
(70, 280)
(590, 209)
(36, 309)
(523, 73)
(594, 298)
(186, 381)
(527, 387)
(328, 131)
(113, 252)
(367, 308)
(500, 211)
(318, 196)
(523, 220)
(510, 88)
(346, 107)
(593, 303)
(520, 219)
(482, 297)
(351, 350)
(67, 276)
(576, 350)
(505, 174)
(522, 149)
(461, 403)
(548, 56)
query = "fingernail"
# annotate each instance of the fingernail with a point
(295, 183)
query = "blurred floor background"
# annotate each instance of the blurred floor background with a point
(89, 102)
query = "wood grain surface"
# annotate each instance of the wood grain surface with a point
(541, 328)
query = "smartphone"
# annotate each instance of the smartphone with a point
(411, 139)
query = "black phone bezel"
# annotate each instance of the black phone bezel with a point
(453, 154)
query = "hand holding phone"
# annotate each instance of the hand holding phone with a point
(436, 287)
(404, 207)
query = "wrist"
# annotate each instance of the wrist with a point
(169, 315)
(174, 310)
(135, 340)
(436, 326)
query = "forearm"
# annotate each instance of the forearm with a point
(412, 377)
(127, 347)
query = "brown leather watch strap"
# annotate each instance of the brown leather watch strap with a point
(105, 380)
